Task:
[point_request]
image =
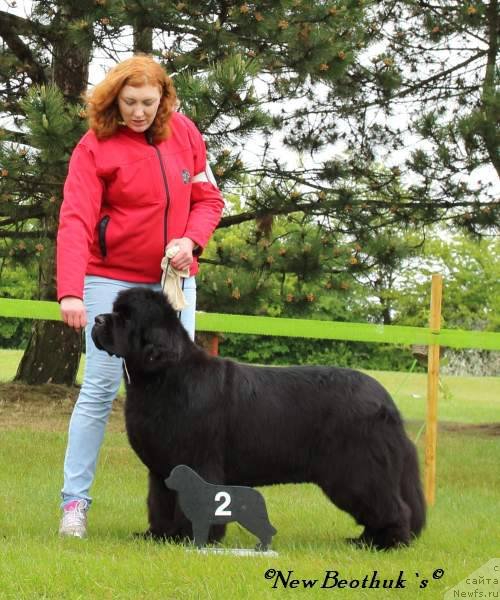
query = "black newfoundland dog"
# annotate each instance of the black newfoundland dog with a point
(249, 425)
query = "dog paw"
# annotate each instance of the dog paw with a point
(261, 547)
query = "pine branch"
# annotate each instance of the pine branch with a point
(244, 217)
(23, 235)
(17, 137)
(12, 28)
(438, 12)
(381, 205)
(23, 213)
(424, 83)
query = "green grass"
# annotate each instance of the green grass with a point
(9, 359)
(462, 532)
(461, 399)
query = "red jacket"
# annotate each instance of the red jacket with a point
(125, 199)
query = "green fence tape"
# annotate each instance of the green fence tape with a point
(306, 328)
(355, 332)
(29, 309)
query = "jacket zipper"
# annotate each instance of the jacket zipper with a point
(165, 183)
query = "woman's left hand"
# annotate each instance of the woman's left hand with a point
(184, 257)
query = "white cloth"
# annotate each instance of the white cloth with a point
(171, 280)
(205, 176)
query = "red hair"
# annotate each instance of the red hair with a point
(102, 106)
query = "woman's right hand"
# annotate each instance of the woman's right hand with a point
(73, 312)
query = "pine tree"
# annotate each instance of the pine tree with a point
(33, 165)
(215, 51)
(437, 64)
(304, 78)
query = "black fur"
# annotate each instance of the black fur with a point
(247, 425)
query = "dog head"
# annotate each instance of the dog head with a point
(175, 478)
(182, 477)
(143, 328)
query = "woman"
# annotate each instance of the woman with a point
(137, 185)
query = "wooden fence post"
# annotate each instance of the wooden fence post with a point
(214, 345)
(432, 392)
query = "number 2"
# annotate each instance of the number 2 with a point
(225, 498)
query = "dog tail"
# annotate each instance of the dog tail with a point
(411, 490)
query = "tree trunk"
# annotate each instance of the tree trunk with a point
(490, 134)
(52, 355)
(54, 350)
(143, 39)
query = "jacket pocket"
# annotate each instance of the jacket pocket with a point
(102, 226)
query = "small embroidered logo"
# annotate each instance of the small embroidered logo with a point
(186, 177)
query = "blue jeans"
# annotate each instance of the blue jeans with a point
(101, 381)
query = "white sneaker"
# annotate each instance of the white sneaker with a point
(74, 519)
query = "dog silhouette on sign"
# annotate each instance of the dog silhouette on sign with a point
(206, 504)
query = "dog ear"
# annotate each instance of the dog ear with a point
(153, 355)
(157, 355)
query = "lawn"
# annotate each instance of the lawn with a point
(462, 532)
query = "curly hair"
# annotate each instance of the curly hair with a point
(102, 106)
